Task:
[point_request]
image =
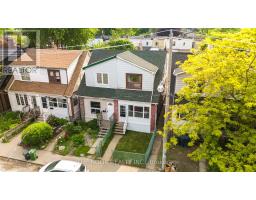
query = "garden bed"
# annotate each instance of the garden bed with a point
(134, 148)
(8, 121)
(79, 137)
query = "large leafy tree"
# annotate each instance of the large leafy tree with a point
(65, 37)
(220, 94)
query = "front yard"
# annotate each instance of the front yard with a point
(134, 148)
(136, 142)
(78, 138)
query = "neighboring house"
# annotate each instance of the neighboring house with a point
(123, 85)
(179, 44)
(142, 43)
(178, 73)
(45, 79)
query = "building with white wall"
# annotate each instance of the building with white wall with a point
(123, 85)
(46, 79)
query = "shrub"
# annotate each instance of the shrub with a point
(37, 134)
(92, 133)
(66, 145)
(55, 121)
(78, 140)
(93, 124)
(72, 129)
(81, 151)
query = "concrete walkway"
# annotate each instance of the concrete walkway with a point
(152, 162)
(92, 150)
(13, 151)
(111, 147)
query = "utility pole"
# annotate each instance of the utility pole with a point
(167, 97)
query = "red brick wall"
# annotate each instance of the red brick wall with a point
(116, 110)
(153, 117)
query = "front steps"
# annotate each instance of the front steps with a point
(118, 129)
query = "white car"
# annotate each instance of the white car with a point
(63, 166)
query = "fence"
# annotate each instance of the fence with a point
(136, 159)
(102, 146)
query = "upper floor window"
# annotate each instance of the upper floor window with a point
(134, 81)
(54, 76)
(102, 78)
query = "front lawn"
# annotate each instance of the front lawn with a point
(135, 142)
(8, 121)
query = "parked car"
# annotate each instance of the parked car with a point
(63, 166)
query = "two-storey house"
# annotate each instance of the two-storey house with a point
(46, 79)
(123, 85)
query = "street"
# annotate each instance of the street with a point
(17, 166)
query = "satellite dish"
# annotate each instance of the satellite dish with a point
(160, 87)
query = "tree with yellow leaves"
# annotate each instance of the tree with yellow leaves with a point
(220, 113)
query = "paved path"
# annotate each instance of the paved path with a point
(111, 147)
(13, 151)
(51, 145)
(152, 162)
(92, 150)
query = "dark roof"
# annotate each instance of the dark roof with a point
(176, 57)
(157, 58)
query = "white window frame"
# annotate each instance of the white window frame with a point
(102, 78)
(21, 99)
(93, 109)
(143, 113)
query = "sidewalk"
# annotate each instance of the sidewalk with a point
(111, 147)
(12, 150)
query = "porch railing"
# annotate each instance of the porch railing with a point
(125, 124)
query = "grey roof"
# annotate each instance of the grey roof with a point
(157, 58)
(130, 57)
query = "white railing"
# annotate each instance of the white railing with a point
(125, 124)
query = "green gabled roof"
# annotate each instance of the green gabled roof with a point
(98, 62)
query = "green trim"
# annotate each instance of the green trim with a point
(98, 62)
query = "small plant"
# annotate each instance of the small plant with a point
(78, 140)
(37, 134)
(92, 133)
(55, 121)
(71, 129)
(81, 151)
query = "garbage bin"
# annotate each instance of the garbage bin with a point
(32, 154)
(26, 155)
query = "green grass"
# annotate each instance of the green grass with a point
(135, 142)
(8, 121)
(82, 150)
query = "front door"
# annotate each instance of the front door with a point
(110, 109)
(33, 101)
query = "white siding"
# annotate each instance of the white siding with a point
(72, 68)
(63, 76)
(59, 112)
(135, 123)
(38, 74)
(179, 82)
(103, 107)
(116, 70)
